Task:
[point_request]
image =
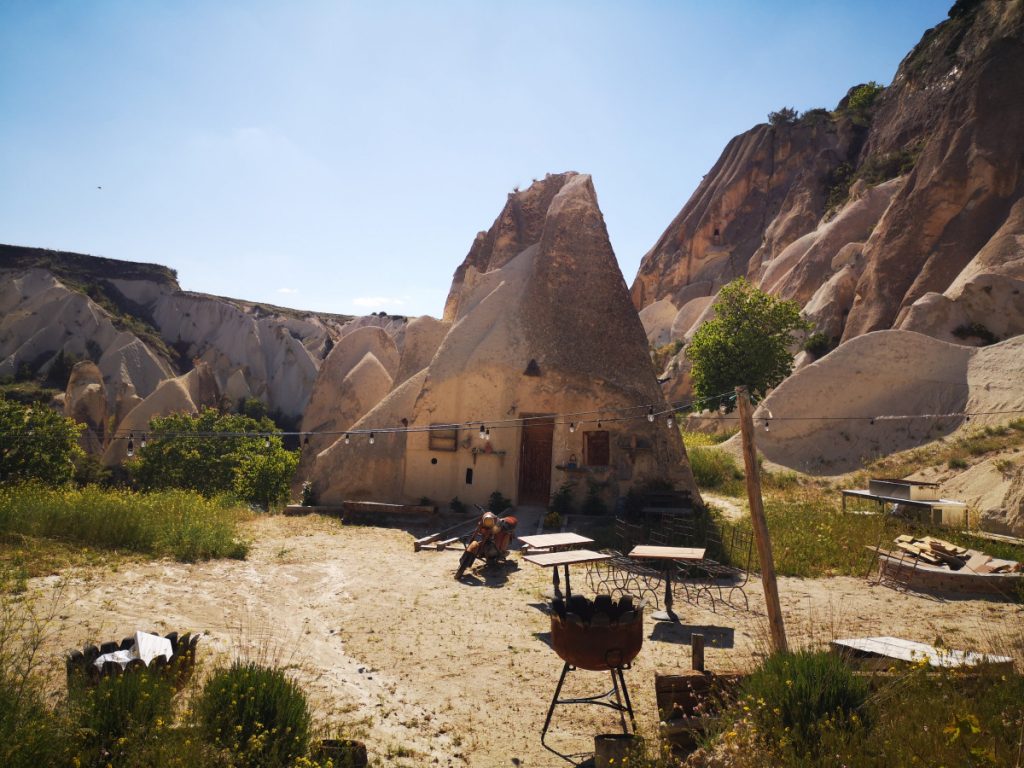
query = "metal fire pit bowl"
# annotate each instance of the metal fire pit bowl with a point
(595, 643)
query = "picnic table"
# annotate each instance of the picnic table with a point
(565, 559)
(668, 556)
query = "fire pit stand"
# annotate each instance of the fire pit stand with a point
(612, 699)
(599, 635)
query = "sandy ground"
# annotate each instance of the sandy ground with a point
(429, 671)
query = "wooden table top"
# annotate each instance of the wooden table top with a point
(554, 540)
(667, 553)
(568, 557)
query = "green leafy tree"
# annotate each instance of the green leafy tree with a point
(213, 452)
(747, 342)
(37, 443)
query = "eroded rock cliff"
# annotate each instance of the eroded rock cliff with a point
(901, 208)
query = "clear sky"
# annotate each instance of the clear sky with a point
(340, 156)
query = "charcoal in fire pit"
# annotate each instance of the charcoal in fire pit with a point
(558, 606)
(579, 605)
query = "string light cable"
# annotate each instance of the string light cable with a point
(574, 420)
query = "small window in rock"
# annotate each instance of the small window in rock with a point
(532, 369)
(596, 451)
(434, 460)
(469, 476)
(443, 439)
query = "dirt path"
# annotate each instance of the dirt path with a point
(434, 672)
(729, 506)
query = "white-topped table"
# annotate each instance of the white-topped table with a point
(555, 542)
(565, 559)
(668, 555)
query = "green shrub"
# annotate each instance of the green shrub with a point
(38, 444)
(257, 713)
(863, 97)
(784, 116)
(977, 331)
(181, 524)
(714, 469)
(837, 186)
(498, 503)
(216, 453)
(129, 704)
(457, 507)
(819, 344)
(561, 500)
(691, 439)
(552, 520)
(593, 502)
(794, 695)
(956, 462)
(308, 494)
(661, 355)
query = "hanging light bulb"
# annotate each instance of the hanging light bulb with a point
(650, 413)
(483, 432)
(872, 422)
(142, 442)
(347, 440)
(372, 439)
(598, 423)
(305, 440)
(572, 426)
(131, 445)
(266, 441)
(670, 422)
(766, 427)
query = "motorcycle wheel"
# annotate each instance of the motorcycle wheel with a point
(464, 562)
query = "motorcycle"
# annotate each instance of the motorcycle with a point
(489, 542)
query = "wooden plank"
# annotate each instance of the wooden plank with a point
(912, 652)
(440, 545)
(420, 543)
(1001, 566)
(998, 537)
(976, 562)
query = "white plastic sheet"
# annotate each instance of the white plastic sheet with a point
(147, 647)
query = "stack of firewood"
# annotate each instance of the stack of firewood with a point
(945, 554)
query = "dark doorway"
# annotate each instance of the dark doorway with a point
(535, 460)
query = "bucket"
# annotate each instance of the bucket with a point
(611, 748)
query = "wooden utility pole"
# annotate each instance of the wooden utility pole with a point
(761, 538)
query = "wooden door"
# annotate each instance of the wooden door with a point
(535, 461)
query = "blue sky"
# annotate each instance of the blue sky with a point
(341, 156)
